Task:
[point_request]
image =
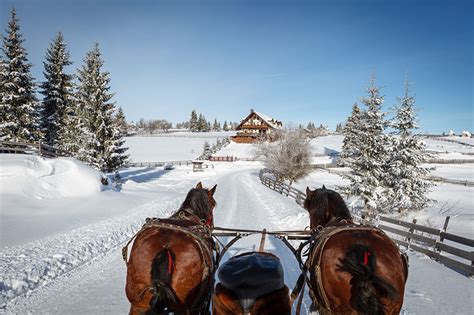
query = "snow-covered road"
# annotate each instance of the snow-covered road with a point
(95, 285)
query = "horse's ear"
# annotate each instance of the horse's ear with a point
(308, 191)
(212, 190)
(199, 185)
(324, 187)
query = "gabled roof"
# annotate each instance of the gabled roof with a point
(273, 123)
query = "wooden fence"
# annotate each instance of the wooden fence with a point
(159, 164)
(452, 250)
(31, 148)
(464, 182)
(450, 161)
(223, 158)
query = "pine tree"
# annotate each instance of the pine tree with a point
(208, 126)
(193, 122)
(225, 127)
(369, 168)
(215, 126)
(351, 147)
(57, 90)
(408, 183)
(206, 151)
(19, 108)
(73, 131)
(119, 158)
(97, 112)
(202, 123)
(121, 122)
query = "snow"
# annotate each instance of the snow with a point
(468, 140)
(444, 146)
(269, 120)
(327, 145)
(170, 147)
(62, 254)
(453, 171)
(240, 150)
(35, 177)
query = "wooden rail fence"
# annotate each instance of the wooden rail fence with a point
(39, 148)
(159, 164)
(452, 250)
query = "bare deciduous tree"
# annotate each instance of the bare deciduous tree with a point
(288, 157)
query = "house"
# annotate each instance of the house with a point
(256, 125)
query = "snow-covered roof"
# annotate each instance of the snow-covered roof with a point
(276, 124)
(272, 122)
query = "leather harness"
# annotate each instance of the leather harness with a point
(201, 233)
(317, 243)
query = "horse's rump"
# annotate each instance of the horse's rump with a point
(355, 263)
(188, 256)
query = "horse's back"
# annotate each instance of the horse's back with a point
(191, 256)
(360, 247)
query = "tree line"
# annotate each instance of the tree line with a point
(200, 124)
(76, 113)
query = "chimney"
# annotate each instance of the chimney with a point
(251, 111)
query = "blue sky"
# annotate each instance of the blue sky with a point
(294, 60)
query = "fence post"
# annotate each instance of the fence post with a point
(441, 238)
(39, 147)
(262, 241)
(411, 231)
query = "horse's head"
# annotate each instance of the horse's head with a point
(325, 205)
(201, 202)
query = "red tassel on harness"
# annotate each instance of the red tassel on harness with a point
(170, 262)
(366, 258)
(208, 221)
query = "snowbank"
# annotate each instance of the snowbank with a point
(36, 177)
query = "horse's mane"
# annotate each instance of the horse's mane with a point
(329, 199)
(197, 200)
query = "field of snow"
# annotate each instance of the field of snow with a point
(327, 145)
(461, 139)
(61, 254)
(170, 147)
(454, 171)
(240, 150)
(444, 146)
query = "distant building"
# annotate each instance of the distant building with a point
(466, 134)
(256, 125)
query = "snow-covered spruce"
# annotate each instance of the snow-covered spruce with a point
(19, 108)
(369, 165)
(57, 91)
(102, 146)
(350, 148)
(407, 178)
(193, 122)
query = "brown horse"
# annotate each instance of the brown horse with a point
(353, 269)
(171, 265)
(251, 283)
